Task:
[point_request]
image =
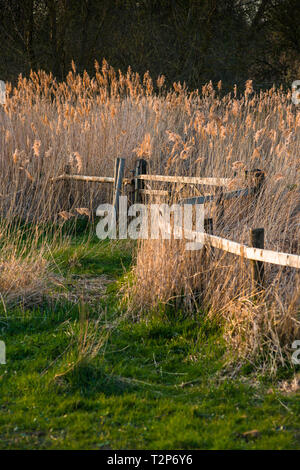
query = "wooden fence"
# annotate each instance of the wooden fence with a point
(255, 253)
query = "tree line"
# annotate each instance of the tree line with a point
(186, 40)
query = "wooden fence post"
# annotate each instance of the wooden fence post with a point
(257, 240)
(119, 167)
(116, 171)
(259, 178)
(220, 205)
(140, 169)
(206, 252)
(208, 226)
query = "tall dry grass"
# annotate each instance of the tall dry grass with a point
(86, 123)
(23, 267)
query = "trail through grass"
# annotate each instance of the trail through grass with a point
(160, 384)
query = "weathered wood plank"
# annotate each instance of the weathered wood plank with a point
(93, 179)
(197, 200)
(187, 180)
(212, 198)
(244, 251)
(256, 254)
(140, 170)
(116, 171)
(120, 165)
(154, 192)
(257, 240)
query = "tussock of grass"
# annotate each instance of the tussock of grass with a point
(22, 279)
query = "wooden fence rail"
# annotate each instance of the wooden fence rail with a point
(247, 252)
(253, 253)
(217, 199)
(89, 179)
(187, 180)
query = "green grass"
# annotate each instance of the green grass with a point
(92, 258)
(160, 384)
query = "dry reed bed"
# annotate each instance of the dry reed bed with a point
(23, 268)
(87, 122)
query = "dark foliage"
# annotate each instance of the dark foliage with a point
(187, 40)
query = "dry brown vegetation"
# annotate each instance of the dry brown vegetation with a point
(86, 123)
(23, 269)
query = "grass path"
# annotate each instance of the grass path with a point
(155, 385)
